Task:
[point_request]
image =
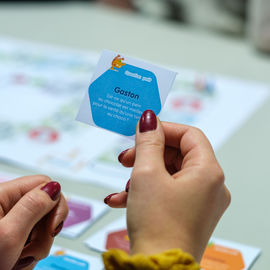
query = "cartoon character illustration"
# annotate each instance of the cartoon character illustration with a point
(59, 252)
(117, 62)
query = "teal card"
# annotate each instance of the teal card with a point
(122, 88)
(66, 259)
(64, 262)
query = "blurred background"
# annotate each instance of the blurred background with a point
(240, 18)
(232, 17)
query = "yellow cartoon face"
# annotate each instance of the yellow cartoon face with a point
(59, 253)
(117, 62)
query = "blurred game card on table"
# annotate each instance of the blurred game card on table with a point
(83, 212)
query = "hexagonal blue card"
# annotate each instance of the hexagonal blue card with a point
(121, 89)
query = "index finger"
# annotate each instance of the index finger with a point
(195, 148)
(190, 141)
(12, 191)
(187, 138)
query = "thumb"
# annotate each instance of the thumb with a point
(32, 207)
(150, 141)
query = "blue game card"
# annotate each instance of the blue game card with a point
(65, 259)
(121, 89)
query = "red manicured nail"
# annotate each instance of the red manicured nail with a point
(127, 186)
(52, 189)
(106, 200)
(28, 241)
(24, 262)
(58, 229)
(121, 155)
(148, 121)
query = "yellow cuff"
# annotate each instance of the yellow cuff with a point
(173, 259)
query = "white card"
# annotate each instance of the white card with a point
(82, 213)
(121, 89)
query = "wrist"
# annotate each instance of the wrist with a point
(116, 259)
(155, 246)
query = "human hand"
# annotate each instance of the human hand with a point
(32, 211)
(176, 193)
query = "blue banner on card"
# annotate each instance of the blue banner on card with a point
(63, 262)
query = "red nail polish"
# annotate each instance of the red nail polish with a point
(24, 262)
(127, 186)
(148, 121)
(52, 189)
(28, 241)
(121, 155)
(58, 229)
(106, 200)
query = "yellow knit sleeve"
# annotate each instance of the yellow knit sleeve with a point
(173, 259)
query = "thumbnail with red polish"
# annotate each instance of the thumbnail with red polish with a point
(52, 189)
(106, 200)
(58, 229)
(121, 155)
(148, 121)
(127, 186)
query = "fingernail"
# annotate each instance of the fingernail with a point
(24, 262)
(148, 121)
(52, 189)
(121, 155)
(106, 200)
(127, 186)
(58, 229)
(28, 241)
